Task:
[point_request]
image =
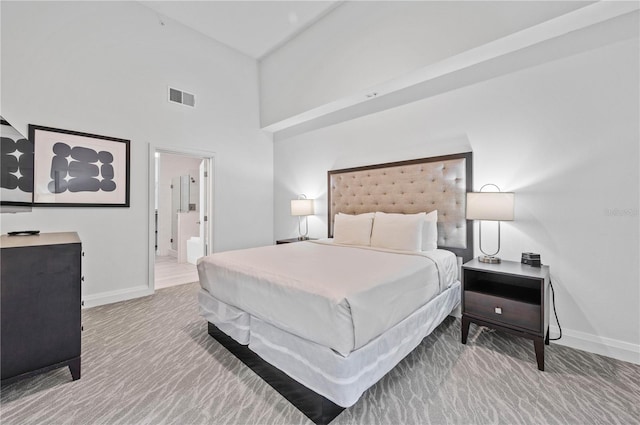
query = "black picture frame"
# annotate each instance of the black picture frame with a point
(75, 169)
(16, 167)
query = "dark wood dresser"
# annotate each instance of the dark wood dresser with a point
(40, 304)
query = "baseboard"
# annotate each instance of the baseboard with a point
(609, 347)
(116, 296)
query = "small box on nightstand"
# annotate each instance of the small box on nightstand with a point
(531, 259)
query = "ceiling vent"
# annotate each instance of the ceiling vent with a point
(182, 97)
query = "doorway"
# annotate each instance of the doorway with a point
(182, 201)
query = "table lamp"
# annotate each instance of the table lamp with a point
(490, 206)
(302, 207)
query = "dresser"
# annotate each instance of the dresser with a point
(40, 304)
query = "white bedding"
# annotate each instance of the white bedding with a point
(340, 297)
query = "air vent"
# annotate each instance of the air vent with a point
(182, 97)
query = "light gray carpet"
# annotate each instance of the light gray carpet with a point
(151, 361)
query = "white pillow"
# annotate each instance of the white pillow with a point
(353, 229)
(398, 231)
(430, 231)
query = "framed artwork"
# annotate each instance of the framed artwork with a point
(16, 167)
(74, 169)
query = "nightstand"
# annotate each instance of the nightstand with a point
(510, 297)
(291, 240)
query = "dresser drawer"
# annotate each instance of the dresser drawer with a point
(503, 310)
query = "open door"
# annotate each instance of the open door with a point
(204, 206)
(191, 236)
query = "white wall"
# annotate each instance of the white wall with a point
(362, 44)
(563, 136)
(104, 68)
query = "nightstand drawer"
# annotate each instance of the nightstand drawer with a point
(504, 310)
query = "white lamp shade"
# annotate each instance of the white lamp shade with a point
(491, 206)
(302, 207)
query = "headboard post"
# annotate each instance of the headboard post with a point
(407, 187)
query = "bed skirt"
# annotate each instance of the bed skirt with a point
(317, 408)
(340, 379)
(343, 379)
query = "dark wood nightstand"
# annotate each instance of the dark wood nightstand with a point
(291, 240)
(510, 297)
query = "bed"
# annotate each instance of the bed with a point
(322, 321)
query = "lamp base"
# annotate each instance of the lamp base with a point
(303, 238)
(491, 259)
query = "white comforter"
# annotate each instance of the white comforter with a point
(338, 296)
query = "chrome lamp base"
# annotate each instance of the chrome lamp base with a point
(491, 259)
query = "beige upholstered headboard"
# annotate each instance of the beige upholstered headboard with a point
(427, 184)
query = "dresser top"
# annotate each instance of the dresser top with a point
(39, 240)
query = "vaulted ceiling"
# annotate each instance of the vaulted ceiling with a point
(254, 28)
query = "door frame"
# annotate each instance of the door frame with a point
(209, 158)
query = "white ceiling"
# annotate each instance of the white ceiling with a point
(254, 28)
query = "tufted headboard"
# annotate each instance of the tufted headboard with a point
(427, 184)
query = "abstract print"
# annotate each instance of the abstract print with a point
(16, 165)
(80, 169)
